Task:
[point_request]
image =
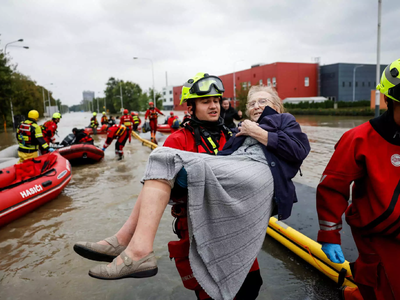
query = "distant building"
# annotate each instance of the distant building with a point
(88, 95)
(167, 96)
(289, 79)
(343, 81)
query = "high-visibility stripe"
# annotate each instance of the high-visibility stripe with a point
(390, 78)
(330, 228)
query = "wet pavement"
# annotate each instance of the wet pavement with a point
(38, 261)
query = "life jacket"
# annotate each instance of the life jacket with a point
(135, 120)
(206, 142)
(93, 122)
(86, 139)
(126, 120)
(28, 135)
(120, 131)
(104, 120)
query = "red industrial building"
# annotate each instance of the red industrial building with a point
(289, 79)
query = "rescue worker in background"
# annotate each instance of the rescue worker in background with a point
(104, 119)
(94, 123)
(228, 113)
(30, 138)
(81, 137)
(186, 114)
(136, 121)
(203, 132)
(152, 114)
(49, 129)
(173, 122)
(111, 121)
(127, 120)
(120, 133)
(171, 115)
(368, 156)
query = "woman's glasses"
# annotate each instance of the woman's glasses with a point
(261, 102)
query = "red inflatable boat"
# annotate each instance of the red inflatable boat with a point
(81, 153)
(160, 128)
(101, 130)
(24, 187)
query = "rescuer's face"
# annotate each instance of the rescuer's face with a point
(207, 109)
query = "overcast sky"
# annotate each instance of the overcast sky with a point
(79, 44)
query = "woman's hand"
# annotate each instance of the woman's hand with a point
(252, 129)
(247, 128)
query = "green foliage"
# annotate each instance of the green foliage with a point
(334, 112)
(326, 104)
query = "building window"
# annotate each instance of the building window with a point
(260, 82)
(170, 99)
(170, 92)
(249, 84)
(343, 85)
(349, 83)
(274, 82)
(363, 84)
(269, 82)
(244, 85)
(165, 100)
(306, 81)
(254, 75)
(164, 93)
(356, 83)
(369, 83)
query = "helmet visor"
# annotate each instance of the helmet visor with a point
(205, 85)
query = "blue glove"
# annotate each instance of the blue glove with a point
(51, 149)
(333, 252)
(103, 149)
(181, 178)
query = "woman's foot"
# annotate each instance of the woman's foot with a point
(105, 250)
(125, 267)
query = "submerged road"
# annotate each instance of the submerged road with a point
(38, 261)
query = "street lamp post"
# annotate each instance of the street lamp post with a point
(354, 79)
(152, 71)
(5, 48)
(122, 99)
(378, 52)
(44, 101)
(234, 83)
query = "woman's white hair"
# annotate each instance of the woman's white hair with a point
(273, 96)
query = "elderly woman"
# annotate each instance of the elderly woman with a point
(230, 199)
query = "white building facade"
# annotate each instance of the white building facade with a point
(168, 99)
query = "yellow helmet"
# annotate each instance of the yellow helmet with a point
(390, 81)
(94, 114)
(56, 115)
(104, 112)
(200, 86)
(33, 114)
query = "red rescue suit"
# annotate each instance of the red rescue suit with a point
(120, 133)
(127, 120)
(152, 114)
(184, 139)
(369, 156)
(49, 129)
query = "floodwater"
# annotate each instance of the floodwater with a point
(38, 262)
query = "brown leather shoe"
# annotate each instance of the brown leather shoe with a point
(99, 252)
(145, 267)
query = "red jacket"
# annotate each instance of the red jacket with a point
(114, 132)
(152, 113)
(368, 159)
(126, 120)
(49, 129)
(183, 139)
(170, 120)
